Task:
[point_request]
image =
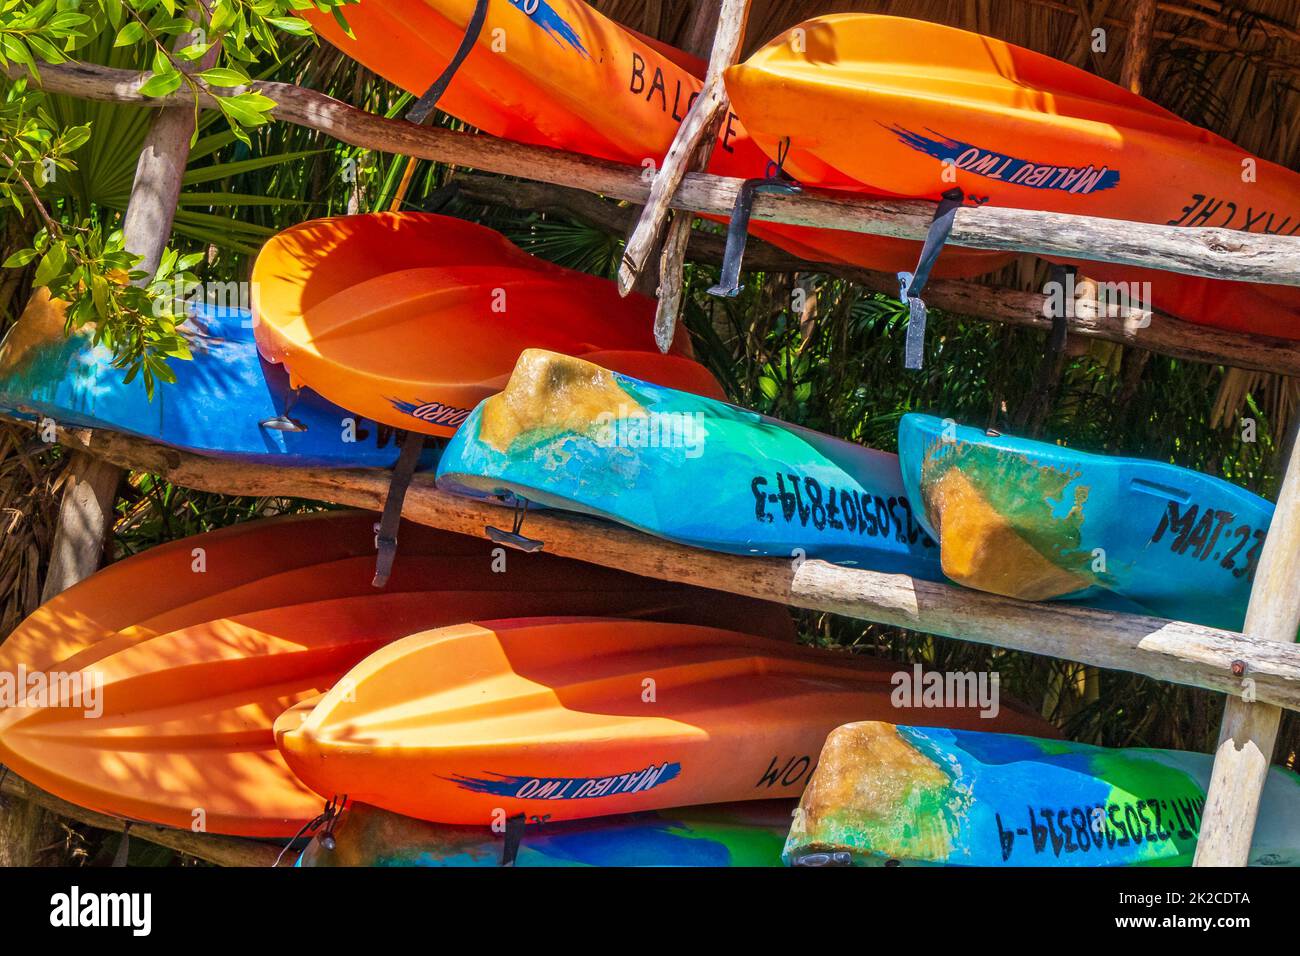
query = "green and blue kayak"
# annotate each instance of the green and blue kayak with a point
(1036, 521)
(924, 795)
(569, 434)
(739, 834)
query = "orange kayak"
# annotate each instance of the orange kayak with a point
(192, 675)
(558, 73)
(889, 105)
(412, 319)
(564, 719)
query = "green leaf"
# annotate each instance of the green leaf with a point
(223, 76)
(20, 258)
(131, 33)
(163, 85)
(51, 266)
(291, 25)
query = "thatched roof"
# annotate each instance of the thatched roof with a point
(1232, 66)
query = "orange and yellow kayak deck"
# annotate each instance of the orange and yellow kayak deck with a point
(412, 319)
(565, 719)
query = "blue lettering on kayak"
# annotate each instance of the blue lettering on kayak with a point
(569, 788)
(1020, 172)
(544, 15)
(434, 413)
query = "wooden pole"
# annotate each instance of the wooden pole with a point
(214, 848)
(1167, 650)
(691, 149)
(1249, 730)
(90, 484)
(86, 511)
(691, 146)
(1137, 45)
(1215, 253)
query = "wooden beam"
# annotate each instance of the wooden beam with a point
(1210, 252)
(1249, 730)
(691, 148)
(1167, 650)
(1128, 326)
(211, 847)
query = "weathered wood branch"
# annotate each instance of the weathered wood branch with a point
(1167, 650)
(1249, 730)
(1153, 330)
(211, 847)
(1211, 252)
(692, 144)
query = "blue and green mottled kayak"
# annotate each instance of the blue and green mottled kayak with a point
(569, 434)
(741, 834)
(926, 795)
(215, 407)
(1037, 521)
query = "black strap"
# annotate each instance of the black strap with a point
(386, 530)
(776, 181)
(426, 103)
(910, 284)
(282, 422)
(514, 837)
(1062, 277)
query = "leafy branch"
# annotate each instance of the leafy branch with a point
(134, 314)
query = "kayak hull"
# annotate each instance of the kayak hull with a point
(930, 796)
(558, 73)
(184, 682)
(563, 719)
(412, 319)
(895, 106)
(1035, 521)
(215, 407)
(567, 434)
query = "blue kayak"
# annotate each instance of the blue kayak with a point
(216, 407)
(569, 434)
(739, 834)
(932, 796)
(1037, 521)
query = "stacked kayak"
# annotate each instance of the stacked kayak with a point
(740, 834)
(923, 795)
(566, 433)
(910, 108)
(411, 319)
(226, 402)
(183, 682)
(563, 719)
(1035, 521)
(570, 78)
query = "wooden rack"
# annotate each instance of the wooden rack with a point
(1263, 658)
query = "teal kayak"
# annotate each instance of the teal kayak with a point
(741, 834)
(1036, 521)
(569, 434)
(926, 795)
(218, 405)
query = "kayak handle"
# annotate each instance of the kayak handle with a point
(514, 538)
(282, 422)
